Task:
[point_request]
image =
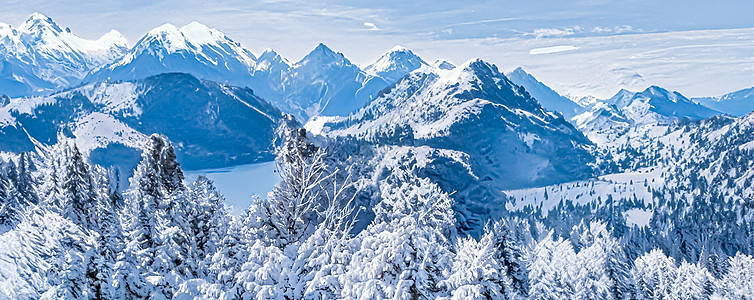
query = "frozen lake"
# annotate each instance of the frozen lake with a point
(239, 183)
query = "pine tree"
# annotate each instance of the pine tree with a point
(510, 253)
(477, 273)
(737, 282)
(11, 206)
(80, 194)
(654, 274)
(26, 184)
(209, 219)
(692, 282)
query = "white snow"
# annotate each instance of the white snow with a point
(620, 185)
(97, 130)
(638, 217)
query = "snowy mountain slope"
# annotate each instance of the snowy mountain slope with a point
(394, 64)
(736, 103)
(194, 48)
(548, 98)
(212, 124)
(476, 110)
(40, 56)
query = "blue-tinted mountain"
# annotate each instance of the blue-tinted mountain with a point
(737, 103)
(548, 98)
(324, 82)
(211, 124)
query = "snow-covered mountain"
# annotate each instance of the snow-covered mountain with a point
(324, 82)
(476, 110)
(211, 124)
(194, 48)
(604, 120)
(549, 99)
(39, 56)
(396, 63)
(737, 103)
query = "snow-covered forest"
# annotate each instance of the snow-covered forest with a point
(69, 234)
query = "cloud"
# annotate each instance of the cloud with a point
(371, 26)
(615, 29)
(554, 32)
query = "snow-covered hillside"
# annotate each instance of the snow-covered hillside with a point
(39, 56)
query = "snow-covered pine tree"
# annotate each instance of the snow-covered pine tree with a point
(692, 282)
(591, 280)
(80, 195)
(654, 275)
(155, 221)
(26, 184)
(405, 250)
(11, 206)
(477, 273)
(209, 220)
(510, 252)
(551, 269)
(738, 282)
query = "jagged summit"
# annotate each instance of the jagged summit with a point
(40, 56)
(38, 21)
(271, 60)
(194, 48)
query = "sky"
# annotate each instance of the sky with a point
(453, 30)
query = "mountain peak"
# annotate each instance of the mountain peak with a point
(164, 28)
(399, 48)
(200, 34)
(323, 55)
(38, 21)
(269, 59)
(322, 48)
(396, 63)
(113, 38)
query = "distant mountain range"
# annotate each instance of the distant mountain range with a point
(39, 56)
(54, 67)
